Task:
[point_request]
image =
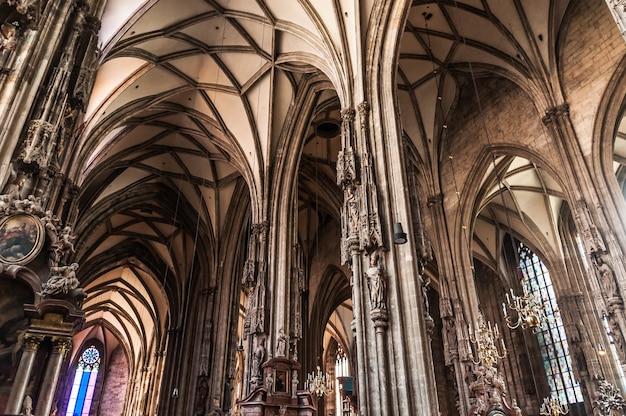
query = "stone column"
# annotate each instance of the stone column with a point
(380, 318)
(48, 388)
(31, 345)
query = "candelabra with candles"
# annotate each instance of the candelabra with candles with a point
(318, 383)
(530, 312)
(553, 407)
(485, 338)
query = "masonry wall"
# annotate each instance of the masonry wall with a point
(115, 385)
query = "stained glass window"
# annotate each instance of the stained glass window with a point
(552, 340)
(84, 383)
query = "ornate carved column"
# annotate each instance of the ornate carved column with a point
(347, 179)
(60, 348)
(255, 285)
(31, 345)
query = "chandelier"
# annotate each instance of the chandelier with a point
(318, 383)
(530, 313)
(553, 407)
(485, 338)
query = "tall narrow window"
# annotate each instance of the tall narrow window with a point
(84, 383)
(552, 340)
(343, 383)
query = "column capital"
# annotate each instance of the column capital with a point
(61, 345)
(347, 114)
(32, 342)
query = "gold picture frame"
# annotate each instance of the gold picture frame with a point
(21, 238)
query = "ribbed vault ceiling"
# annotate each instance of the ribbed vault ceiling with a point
(192, 104)
(447, 44)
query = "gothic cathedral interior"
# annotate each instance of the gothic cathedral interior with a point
(312, 207)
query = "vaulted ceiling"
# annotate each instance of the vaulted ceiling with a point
(193, 106)
(450, 45)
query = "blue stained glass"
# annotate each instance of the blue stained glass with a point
(84, 382)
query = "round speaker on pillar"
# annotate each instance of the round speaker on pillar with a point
(399, 236)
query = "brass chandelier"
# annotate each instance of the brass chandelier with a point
(530, 312)
(553, 407)
(319, 383)
(485, 339)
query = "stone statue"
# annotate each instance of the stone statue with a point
(353, 209)
(62, 280)
(607, 277)
(28, 406)
(376, 282)
(8, 34)
(257, 362)
(425, 296)
(66, 239)
(616, 336)
(269, 383)
(294, 384)
(281, 343)
(22, 6)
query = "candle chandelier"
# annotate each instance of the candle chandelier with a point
(553, 407)
(318, 383)
(530, 312)
(485, 339)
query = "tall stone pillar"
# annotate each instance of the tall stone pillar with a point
(31, 345)
(60, 348)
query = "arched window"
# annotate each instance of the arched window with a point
(343, 383)
(552, 339)
(84, 383)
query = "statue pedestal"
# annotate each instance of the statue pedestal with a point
(279, 394)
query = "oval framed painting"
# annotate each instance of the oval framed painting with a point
(21, 238)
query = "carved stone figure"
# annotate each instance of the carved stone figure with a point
(28, 406)
(62, 280)
(269, 383)
(50, 222)
(14, 190)
(22, 6)
(201, 394)
(281, 343)
(616, 336)
(607, 276)
(39, 143)
(257, 361)
(425, 296)
(294, 384)
(8, 35)
(67, 239)
(376, 282)
(352, 206)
